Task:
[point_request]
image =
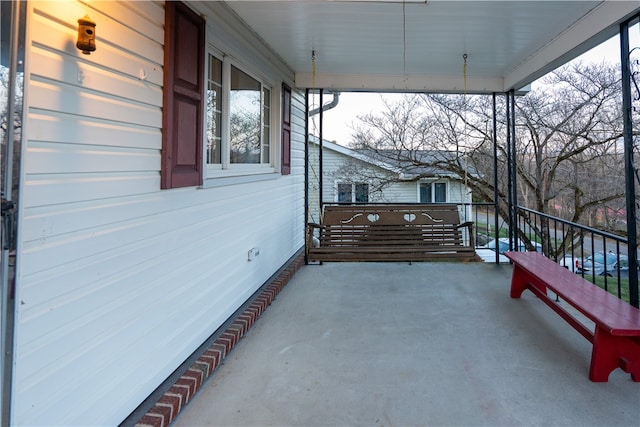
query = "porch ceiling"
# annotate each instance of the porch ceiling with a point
(419, 45)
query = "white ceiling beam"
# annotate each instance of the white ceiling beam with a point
(599, 25)
(398, 83)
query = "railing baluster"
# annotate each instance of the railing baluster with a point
(546, 227)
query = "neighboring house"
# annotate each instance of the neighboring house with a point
(351, 176)
(136, 217)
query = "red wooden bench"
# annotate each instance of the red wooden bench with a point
(616, 340)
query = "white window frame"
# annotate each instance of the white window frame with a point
(432, 184)
(226, 168)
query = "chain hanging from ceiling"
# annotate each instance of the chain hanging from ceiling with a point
(465, 107)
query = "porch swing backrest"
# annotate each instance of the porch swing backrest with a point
(392, 215)
(391, 233)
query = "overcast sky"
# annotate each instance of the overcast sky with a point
(338, 120)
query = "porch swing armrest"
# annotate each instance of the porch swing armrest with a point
(469, 225)
(311, 226)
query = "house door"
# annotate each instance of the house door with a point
(12, 45)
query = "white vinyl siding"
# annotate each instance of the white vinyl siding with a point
(108, 263)
(394, 192)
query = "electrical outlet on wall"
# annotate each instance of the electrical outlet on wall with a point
(253, 253)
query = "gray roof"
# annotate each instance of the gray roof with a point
(419, 163)
(408, 164)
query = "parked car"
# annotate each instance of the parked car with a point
(570, 262)
(601, 264)
(503, 245)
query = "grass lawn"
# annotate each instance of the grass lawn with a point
(482, 228)
(612, 285)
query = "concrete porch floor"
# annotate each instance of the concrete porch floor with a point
(392, 344)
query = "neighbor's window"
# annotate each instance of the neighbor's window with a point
(353, 193)
(433, 192)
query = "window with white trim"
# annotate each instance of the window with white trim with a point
(433, 192)
(218, 114)
(353, 193)
(214, 111)
(238, 118)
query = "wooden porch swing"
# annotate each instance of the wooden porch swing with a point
(427, 232)
(392, 232)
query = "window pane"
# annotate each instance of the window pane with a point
(425, 193)
(344, 193)
(440, 192)
(266, 125)
(244, 117)
(214, 106)
(362, 193)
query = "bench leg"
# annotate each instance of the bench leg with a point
(521, 280)
(518, 281)
(611, 352)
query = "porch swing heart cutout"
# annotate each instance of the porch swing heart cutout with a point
(373, 217)
(409, 217)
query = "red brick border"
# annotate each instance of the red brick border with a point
(178, 396)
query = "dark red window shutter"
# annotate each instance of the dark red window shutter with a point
(182, 98)
(286, 130)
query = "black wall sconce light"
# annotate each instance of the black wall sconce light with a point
(86, 35)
